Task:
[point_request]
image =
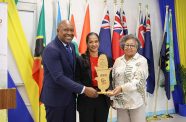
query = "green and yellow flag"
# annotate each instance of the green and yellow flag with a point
(37, 68)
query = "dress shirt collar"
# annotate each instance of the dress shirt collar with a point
(63, 43)
(134, 57)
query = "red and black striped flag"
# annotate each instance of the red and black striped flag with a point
(37, 69)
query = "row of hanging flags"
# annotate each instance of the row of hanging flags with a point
(108, 45)
(143, 32)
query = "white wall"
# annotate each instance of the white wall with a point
(3, 45)
(96, 14)
(3, 53)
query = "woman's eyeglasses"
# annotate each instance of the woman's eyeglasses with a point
(129, 46)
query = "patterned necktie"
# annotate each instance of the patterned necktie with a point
(69, 52)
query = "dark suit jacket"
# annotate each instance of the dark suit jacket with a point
(59, 87)
(83, 75)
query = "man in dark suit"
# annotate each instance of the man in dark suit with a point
(59, 88)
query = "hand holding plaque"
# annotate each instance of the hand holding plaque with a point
(103, 73)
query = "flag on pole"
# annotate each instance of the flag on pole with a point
(164, 55)
(16, 1)
(85, 31)
(140, 32)
(37, 69)
(105, 35)
(172, 64)
(71, 16)
(124, 23)
(117, 34)
(56, 21)
(74, 41)
(167, 55)
(148, 54)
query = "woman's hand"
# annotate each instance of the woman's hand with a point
(114, 92)
(109, 93)
(117, 90)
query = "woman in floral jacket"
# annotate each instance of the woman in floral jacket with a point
(129, 74)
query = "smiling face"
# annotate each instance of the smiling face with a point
(130, 48)
(65, 31)
(93, 43)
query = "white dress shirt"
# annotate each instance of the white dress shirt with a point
(131, 75)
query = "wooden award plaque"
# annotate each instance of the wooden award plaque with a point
(103, 73)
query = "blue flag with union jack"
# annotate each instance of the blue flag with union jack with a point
(105, 35)
(140, 32)
(148, 54)
(124, 23)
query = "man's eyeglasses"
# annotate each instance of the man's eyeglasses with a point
(129, 46)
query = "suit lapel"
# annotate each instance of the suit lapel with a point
(61, 46)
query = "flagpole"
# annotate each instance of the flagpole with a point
(167, 115)
(39, 113)
(105, 2)
(138, 19)
(140, 7)
(122, 4)
(110, 114)
(155, 117)
(69, 11)
(147, 7)
(115, 3)
(110, 111)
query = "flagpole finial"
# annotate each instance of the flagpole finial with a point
(122, 3)
(170, 11)
(140, 6)
(70, 2)
(167, 7)
(147, 6)
(115, 2)
(105, 2)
